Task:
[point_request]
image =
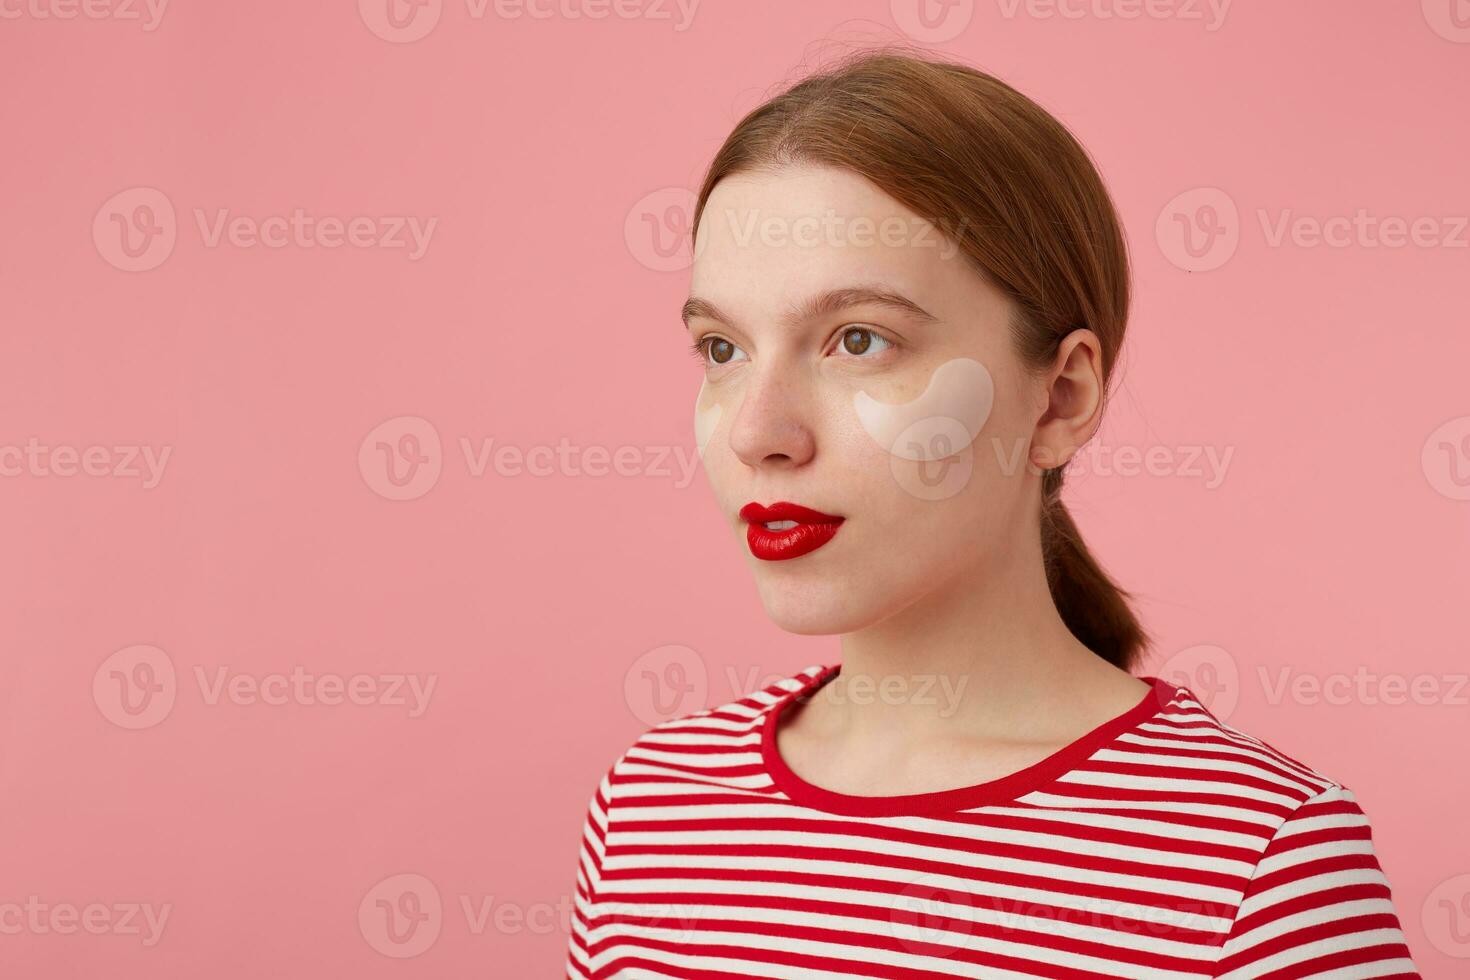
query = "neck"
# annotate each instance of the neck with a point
(987, 655)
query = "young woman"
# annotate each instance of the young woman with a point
(909, 291)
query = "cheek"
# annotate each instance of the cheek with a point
(715, 409)
(707, 414)
(926, 443)
(941, 422)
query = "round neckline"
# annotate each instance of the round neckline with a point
(999, 790)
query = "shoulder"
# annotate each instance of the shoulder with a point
(1194, 745)
(1312, 897)
(1183, 718)
(717, 736)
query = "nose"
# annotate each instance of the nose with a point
(771, 428)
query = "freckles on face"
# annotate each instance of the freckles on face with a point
(927, 440)
(942, 421)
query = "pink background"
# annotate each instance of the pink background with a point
(543, 311)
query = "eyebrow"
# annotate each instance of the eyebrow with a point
(829, 302)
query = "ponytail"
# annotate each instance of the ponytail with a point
(1092, 605)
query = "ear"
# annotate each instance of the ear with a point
(1073, 394)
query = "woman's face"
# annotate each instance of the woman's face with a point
(856, 365)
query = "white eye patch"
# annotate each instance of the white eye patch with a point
(942, 421)
(706, 421)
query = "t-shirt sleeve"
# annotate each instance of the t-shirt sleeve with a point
(589, 876)
(1318, 904)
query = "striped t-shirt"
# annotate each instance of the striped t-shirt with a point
(1163, 844)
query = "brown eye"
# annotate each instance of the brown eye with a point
(714, 351)
(860, 340)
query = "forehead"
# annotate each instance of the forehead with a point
(769, 239)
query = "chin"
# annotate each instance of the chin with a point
(817, 608)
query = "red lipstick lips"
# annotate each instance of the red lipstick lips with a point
(797, 530)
